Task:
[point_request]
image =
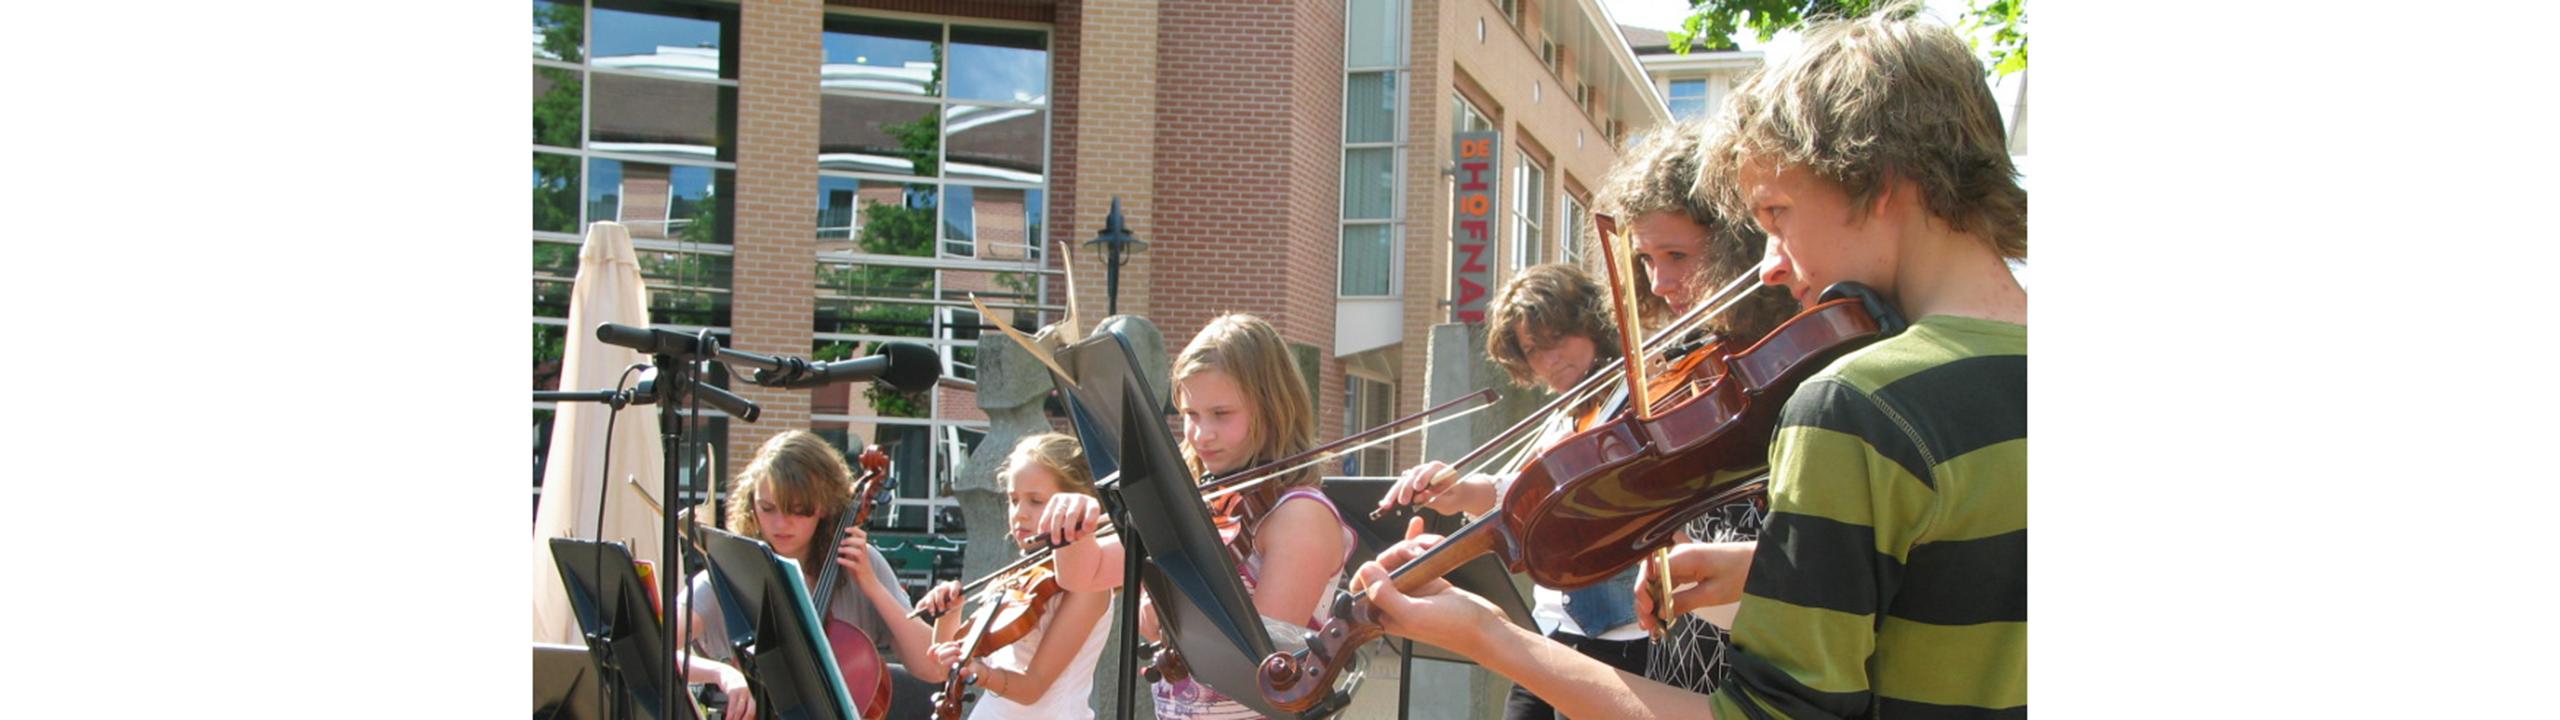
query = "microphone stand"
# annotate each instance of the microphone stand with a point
(676, 377)
(675, 380)
(1131, 551)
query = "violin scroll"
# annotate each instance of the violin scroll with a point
(1318, 680)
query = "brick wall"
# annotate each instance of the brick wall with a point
(1426, 241)
(1247, 173)
(1111, 128)
(1066, 82)
(1315, 194)
(774, 281)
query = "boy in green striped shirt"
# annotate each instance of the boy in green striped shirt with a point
(1891, 577)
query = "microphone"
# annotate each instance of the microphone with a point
(652, 341)
(904, 367)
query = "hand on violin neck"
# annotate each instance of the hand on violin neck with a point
(1436, 612)
(1396, 556)
(1702, 575)
(947, 653)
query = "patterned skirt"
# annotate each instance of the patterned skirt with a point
(1691, 654)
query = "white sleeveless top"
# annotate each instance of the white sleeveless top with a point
(1070, 696)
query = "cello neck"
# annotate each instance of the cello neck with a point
(819, 551)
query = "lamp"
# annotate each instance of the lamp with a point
(1117, 244)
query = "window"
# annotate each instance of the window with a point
(1464, 117)
(1577, 225)
(1688, 99)
(1372, 223)
(1528, 212)
(1367, 405)
(634, 108)
(933, 175)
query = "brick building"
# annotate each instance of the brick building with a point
(810, 178)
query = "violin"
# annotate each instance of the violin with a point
(1004, 617)
(1602, 498)
(1236, 515)
(866, 675)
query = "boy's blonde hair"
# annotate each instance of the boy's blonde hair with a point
(1059, 453)
(1251, 352)
(1867, 100)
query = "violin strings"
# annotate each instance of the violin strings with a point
(1320, 459)
(1733, 293)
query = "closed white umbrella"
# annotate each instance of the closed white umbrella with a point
(608, 289)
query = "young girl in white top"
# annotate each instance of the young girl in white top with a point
(1049, 672)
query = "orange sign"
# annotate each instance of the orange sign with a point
(1479, 173)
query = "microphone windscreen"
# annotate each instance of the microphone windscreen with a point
(912, 367)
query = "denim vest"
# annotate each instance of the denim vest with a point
(1604, 605)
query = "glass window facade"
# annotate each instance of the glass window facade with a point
(634, 116)
(1373, 148)
(933, 179)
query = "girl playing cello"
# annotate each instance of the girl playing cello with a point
(779, 499)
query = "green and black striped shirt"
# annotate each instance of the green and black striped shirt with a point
(1891, 579)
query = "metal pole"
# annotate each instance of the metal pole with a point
(1111, 260)
(1404, 682)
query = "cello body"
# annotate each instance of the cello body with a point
(866, 674)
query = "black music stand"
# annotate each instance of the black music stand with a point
(621, 634)
(1153, 499)
(566, 685)
(774, 635)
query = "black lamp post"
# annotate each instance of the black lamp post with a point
(1117, 245)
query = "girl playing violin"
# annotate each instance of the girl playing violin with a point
(1684, 249)
(1049, 672)
(1550, 326)
(1243, 405)
(778, 500)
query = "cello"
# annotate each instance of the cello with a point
(866, 674)
(1604, 497)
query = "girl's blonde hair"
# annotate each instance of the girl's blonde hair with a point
(1251, 352)
(1059, 453)
(1662, 175)
(801, 473)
